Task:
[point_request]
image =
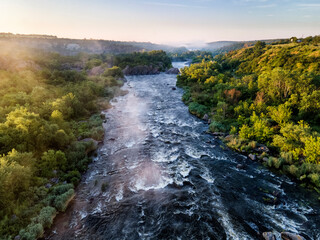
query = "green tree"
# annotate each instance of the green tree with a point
(14, 179)
(280, 114)
(277, 84)
(259, 131)
(312, 150)
(292, 138)
(51, 160)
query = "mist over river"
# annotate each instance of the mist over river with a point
(166, 178)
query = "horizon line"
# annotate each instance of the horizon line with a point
(146, 41)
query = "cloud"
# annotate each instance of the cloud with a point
(311, 5)
(171, 5)
(265, 6)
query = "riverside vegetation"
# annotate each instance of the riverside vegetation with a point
(144, 63)
(268, 98)
(49, 123)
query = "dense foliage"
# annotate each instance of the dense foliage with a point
(195, 56)
(158, 59)
(48, 105)
(266, 94)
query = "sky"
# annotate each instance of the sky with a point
(163, 21)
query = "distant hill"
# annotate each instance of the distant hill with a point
(67, 46)
(217, 45)
(227, 46)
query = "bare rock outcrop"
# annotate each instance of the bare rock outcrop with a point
(291, 236)
(173, 71)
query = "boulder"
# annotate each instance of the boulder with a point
(268, 236)
(209, 121)
(252, 157)
(291, 236)
(262, 148)
(54, 180)
(174, 88)
(173, 71)
(205, 117)
(218, 134)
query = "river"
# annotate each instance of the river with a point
(166, 178)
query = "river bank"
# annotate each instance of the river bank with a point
(164, 177)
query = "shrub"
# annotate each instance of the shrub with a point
(252, 144)
(245, 132)
(314, 179)
(32, 232)
(104, 187)
(186, 96)
(50, 161)
(276, 162)
(280, 114)
(287, 157)
(312, 150)
(75, 154)
(97, 133)
(113, 72)
(198, 109)
(233, 130)
(261, 131)
(235, 142)
(217, 127)
(60, 189)
(294, 171)
(46, 216)
(73, 177)
(306, 168)
(61, 201)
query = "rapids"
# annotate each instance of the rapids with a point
(168, 179)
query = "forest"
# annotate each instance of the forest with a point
(50, 123)
(266, 99)
(154, 58)
(195, 56)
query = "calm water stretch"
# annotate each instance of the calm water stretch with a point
(166, 178)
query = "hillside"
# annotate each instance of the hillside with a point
(67, 46)
(264, 94)
(218, 45)
(221, 47)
